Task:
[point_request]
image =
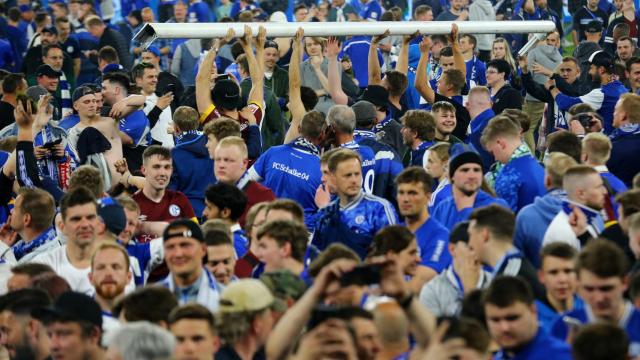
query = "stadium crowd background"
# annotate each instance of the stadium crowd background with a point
(385, 197)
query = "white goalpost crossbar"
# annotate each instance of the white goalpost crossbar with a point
(153, 31)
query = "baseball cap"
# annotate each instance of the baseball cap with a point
(34, 92)
(376, 94)
(112, 215)
(601, 58)
(226, 94)
(47, 70)
(25, 8)
(50, 30)
(81, 91)
(365, 113)
(245, 295)
(284, 284)
(154, 50)
(71, 306)
(193, 230)
(594, 26)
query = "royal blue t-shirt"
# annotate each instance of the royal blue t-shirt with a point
(433, 244)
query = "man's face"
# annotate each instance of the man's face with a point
(326, 178)
(47, 38)
(425, 16)
(592, 3)
(211, 211)
(634, 76)
(86, 106)
(367, 338)
(468, 178)
(80, 224)
(49, 83)
(64, 29)
(603, 295)
(477, 237)
(558, 276)
(497, 148)
(619, 115)
(67, 341)
(301, 14)
(110, 92)
(447, 62)
(412, 199)
(595, 192)
(230, 164)
(194, 340)
(512, 326)
(348, 178)
(54, 58)
(157, 171)
(569, 71)
(409, 258)
(457, 4)
(442, 85)
(133, 219)
(595, 74)
(270, 57)
(493, 76)
(445, 121)
(184, 255)
(465, 44)
(148, 81)
(436, 46)
(618, 4)
(408, 135)
(180, 11)
(13, 334)
(221, 262)
(553, 39)
(270, 253)
(542, 4)
(109, 273)
(624, 49)
(150, 58)
(17, 216)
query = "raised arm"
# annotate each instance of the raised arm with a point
(402, 64)
(205, 71)
(422, 78)
(335, 78)
(375, 74)
(458, 59)
(256, 67)
(296, 107)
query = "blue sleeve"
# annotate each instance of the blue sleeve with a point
(134, 127)
(558, 329)
(203, 13)
(565, 102)
(254, 142)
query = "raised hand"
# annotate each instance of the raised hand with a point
(164, 100)
(261, 39)
(409, 38)
(298, 36)
(24, 117)
(425, 45)
(121, 166)
(376, 39)
(453, 36)
(245, 40)
(333, 47)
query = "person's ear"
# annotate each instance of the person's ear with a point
(225, 213)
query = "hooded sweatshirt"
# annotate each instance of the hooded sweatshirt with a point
(192, 168)
(532, 223)
(547, 56)
(482, 10)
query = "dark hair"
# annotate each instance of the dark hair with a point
(472, 40)
(31, 269)
(40, 18)
(498, 220)
(504, 291)
(456, 79)
(119, 78)
(138, 69)
(439, 38)
(52, 283)
(22, 301)
(299, 7)
(46, 49)
(151, 303)
(460, 233)
(559, 250)
(163, 152)
(333, 252)
(397, 82)
(109, 54)
(11, 82)
(308, 97)
(243, 63)
(192, 312)
(602, 258)
(312, 124)
(446, 51)
(416, 174)
(222, 128)
(288, 205)
(470, 330)
(629, 201)
(75, 197)
(629, 39)
(14, 14)
(216, 237)
(227, 196)
(565, 142)
(632, 61)
(394, 238)
(40, 205)
(421, 122)
(501, 65)
(600, 341)
(287, 231)
(236, 50)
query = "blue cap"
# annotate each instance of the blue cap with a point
(112, 68)
(25, 7)
(154, 50)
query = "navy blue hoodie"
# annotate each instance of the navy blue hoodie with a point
(192, 168)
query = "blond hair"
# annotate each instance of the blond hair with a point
(597, 147)
(237, 142)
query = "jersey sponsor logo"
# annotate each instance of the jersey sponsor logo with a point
(369, 162)
(294, 172)
(174, 210)
(384, 155)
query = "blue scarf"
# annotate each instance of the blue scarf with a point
(362, 134)
(305, 145)
(65, 95)
(625, 130)
(187, 136)
(22, 248)
(380, 126)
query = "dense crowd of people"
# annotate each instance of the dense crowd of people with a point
(363, 197)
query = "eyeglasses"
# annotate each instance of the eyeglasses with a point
(491, 72)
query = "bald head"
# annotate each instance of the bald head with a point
(392, 324)
(479, 100)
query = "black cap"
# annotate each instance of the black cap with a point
(376, 94)
(594, 26)
(193, 230)
(81, 91)
(601, 58)
(226, 94)
(112, 214)
(71, 306)
(50, 30)
(47, 70)
(365, 113)
(463, 158)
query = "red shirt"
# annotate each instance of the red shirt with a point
(256, 193)
(256, 109)
(174, 205)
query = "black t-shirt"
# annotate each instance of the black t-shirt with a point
(506, 98)
(584, 16)
(6, 114)
(462, 115)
